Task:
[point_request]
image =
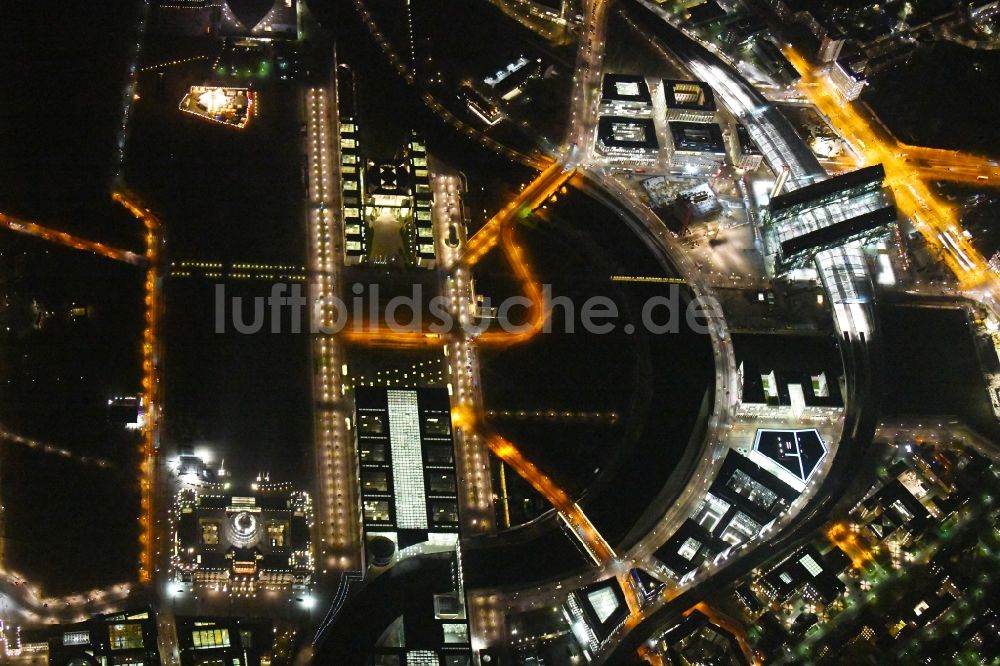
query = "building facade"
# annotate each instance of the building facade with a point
(238, 543)
(407, 461)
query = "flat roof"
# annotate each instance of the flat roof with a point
(625, 88)
(798, 451)
(603, 605)
(805, 566)
(697, 137)
(842, 232)
(691, 95)
(627, 132)
(824, 188)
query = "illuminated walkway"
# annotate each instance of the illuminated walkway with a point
(531, 197)
(335, 461)
(68, 240)
(150, 382)
(50, 449)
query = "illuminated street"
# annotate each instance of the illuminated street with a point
(334, 454)
(936, 220)
(68, 240)
(508, 333)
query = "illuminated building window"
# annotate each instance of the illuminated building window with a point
(439, 425)
(689, 548)
(456, 633)
(371, 424)
(741, 528)
(444, 512)
(372, 452)
(811, 565)
(441, 482)
(76, 638)
(206, 639)
(407, 466)
(374, 481)
(604, 601)
(376, 511)
(711, 512)
(439, 454)
(422, 658)
(125, 636)
(627, 88)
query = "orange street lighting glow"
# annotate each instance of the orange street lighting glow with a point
(936, 220)
(150, 386)
(68, 240)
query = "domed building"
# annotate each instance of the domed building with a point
(238, 543)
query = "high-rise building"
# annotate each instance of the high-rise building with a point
(627, 138)
(847, 74)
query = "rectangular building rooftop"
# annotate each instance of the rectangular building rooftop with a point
(627, 89)
(697, 137)
(690, 95)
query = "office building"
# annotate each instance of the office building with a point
(848, 76)
(625, 94)
(690, 101)
(804, 572)
(258, 18)
(791, 455)
(407, 462)
(508, 82)
(742, 500)
(386, 204)
(695, 640)
(627, 138)
(696, 147)
(224, 641)
(595, 612)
